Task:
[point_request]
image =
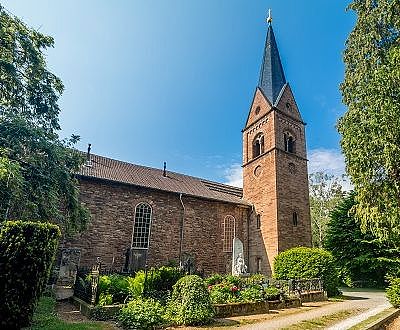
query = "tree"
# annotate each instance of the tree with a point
(360, 256)
(325, 192)
(37, 169)
(370, 128)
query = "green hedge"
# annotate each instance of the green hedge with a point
(27, 251)
(307, 263)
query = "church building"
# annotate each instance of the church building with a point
(147, 216)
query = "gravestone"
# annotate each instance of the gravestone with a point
(137, 260)
(238, 265)
(69, 264)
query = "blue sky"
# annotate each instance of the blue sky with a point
(156, 80)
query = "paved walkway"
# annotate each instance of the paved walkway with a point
(367, 302)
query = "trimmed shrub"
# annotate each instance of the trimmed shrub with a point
(27, 251)
(307, 263)
(393, 291)
(141, 314)
(190, 303)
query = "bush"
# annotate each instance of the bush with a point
(224, 293)
(159, 282)
(393, 291)
(27, 251)
(141, 314)
(113, 289)
(190, 302)
(272, 293)
(307, 263)
(255, 279)
(252, 293)
(214, 279)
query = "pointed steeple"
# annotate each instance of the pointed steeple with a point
(272, 77)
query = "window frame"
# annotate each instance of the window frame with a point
(227, 244)
(138, 246)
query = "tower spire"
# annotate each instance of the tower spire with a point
(272, 77)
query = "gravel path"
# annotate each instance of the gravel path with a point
(367, 302)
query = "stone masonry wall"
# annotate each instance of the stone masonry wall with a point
(109, 234)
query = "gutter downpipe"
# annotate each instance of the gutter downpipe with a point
(181, 233)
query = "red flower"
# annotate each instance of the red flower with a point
(234, 288)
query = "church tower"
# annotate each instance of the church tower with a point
(275, 178)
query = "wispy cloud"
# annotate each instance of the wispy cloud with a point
(326, 160)
(330, 161)
(234, 175)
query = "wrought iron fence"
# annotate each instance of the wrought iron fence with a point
(292, 287)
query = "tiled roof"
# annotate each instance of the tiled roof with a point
(127, 173)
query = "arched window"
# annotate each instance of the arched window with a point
(141, 227)
(228, 233)
(289, 142)
(258, 145)
(295, 219)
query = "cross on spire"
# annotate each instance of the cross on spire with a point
(269, 18)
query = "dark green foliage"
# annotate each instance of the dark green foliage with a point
(370, 128)
(190, 303)
(27, 251)
(360, 256)
(307, 263)
(393, 291)
(141, 314)
(37, 169)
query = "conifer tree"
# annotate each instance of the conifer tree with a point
(370, 129)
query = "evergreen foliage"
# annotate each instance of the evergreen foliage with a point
(190, 303)
(27, 251)
(307, 263)
(370, 128)
(36, 168)
(360, 256)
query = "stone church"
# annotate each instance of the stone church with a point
(147, 216)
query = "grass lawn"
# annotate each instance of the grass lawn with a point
(45, 317)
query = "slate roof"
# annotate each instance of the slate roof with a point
(272, 77)
(118, 171)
